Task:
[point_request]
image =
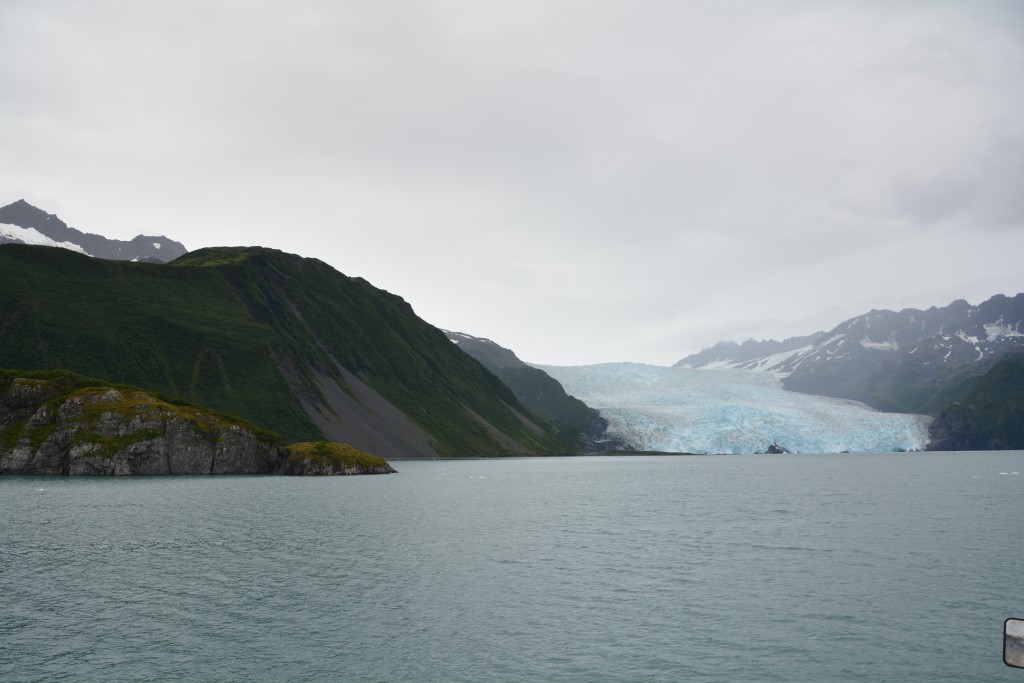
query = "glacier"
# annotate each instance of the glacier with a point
(728, 410)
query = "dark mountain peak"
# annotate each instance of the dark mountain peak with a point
(24, 215)
(486, 351)
(20, 205)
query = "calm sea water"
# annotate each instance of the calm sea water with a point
(894, 567)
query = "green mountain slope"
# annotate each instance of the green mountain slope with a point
(541, 393)
(286, 342)
(986, 413)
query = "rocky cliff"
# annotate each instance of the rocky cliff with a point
(58, 423)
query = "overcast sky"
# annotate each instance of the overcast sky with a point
(582, 181)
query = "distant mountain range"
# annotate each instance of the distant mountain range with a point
(896, 361)
(22, 223)
(908, 361)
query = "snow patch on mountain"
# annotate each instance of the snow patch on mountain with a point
(33, 236)
(774, 362)
(888, 345)
(731, 411)
(1000, 329)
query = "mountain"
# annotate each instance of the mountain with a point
(285, 342)
(62, 423)
(540, 393)
(897, 361)
(23, 223)
(986, 412)
(750, 355)
(721, 410)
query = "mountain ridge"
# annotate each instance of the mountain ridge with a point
(20, 222)
(892, 360)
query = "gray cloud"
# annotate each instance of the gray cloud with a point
(583, 181)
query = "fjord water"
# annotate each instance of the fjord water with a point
(874, 567)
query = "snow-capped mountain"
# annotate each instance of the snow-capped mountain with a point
(890, 360)
(23, 223)
(750, 355)
(731, 411)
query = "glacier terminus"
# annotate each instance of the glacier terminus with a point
(728, 410)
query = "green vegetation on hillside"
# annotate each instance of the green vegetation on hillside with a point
(338, 455)
(244, 330)
(546, 398)
(181, 332)
(985, 412)
(538, 391)
(324, 319)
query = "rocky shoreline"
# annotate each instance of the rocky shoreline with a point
(106, 430)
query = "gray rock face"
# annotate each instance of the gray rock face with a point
(121, 433)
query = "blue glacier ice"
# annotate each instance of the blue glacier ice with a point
(726, 410)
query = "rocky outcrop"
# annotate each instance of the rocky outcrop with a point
(107, 430)
(323, 458)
